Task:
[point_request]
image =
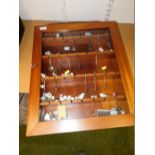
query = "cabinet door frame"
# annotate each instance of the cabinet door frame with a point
(35, 127)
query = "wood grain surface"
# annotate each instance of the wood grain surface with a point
(26, 48)
(125, 82)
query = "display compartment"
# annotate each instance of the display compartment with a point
(98, 95)
(79, 78)
(77, 41)
(79, 63)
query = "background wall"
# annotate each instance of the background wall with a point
(71, 10)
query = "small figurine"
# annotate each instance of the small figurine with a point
(81, 96)
(43, 75)
(68, 73)
(43, 98)
(103, 95)
(47, 117)
(47, 53)
(47, 96)
(104, 68)
(51, 68)
(42, 86)
(100, 49)
(67, 48)
(57, 35)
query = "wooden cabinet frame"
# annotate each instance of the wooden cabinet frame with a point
(35, 127)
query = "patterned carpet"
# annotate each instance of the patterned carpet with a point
(23, 108)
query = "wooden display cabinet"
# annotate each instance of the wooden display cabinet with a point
(80, 79)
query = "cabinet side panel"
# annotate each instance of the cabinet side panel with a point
(33, 107)
(123, 64)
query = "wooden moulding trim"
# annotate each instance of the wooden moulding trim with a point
(34, 92)
(123, 64)
(72, 26)
(53, 127)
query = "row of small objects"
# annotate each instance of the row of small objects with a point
(112, 111)
(87, 34)
(99, 112)
(65, 74)
(48, 96)
(67, 48)
(50, 116)
(68, 72)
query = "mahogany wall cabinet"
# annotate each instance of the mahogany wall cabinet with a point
(80, 79)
